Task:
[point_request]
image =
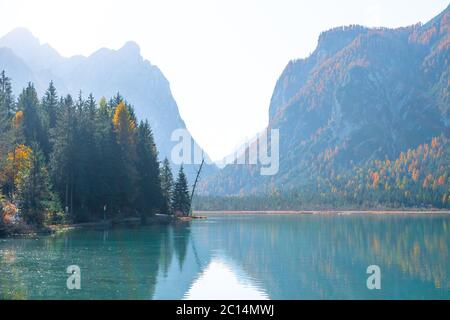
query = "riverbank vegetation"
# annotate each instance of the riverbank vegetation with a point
(65, 159)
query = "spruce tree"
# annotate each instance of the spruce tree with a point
(83, 147)
(181, 199)
(63, 156)
(7, 105)
(50, 106)
(166, 187)
(147, 165)
(125, 130)
(7, 111)
(32, 125)
(109, 170)
(89, 155)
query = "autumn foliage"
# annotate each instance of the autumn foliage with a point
(418, 177)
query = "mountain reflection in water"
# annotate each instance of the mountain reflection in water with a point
(238, 257)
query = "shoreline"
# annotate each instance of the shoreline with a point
(328, 212)
(54, 229)
(201, 215)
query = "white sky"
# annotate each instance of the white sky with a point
(222, 57)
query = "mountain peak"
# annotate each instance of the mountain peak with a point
(28, 47)
(336, 38)
(131, 48)
(20, 35)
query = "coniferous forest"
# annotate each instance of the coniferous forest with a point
(73, 159)
(417, 178)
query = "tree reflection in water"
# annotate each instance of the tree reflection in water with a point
(281, 256)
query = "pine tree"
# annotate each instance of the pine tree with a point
(166, 187)
(7, 110)
(50, 106)
(7, 106)
(33, 189)
(91, 107)
(84, 152)
(109, 170)
(181, 202)
(89, 154)
(115, 101)
(32, 125)
(147, 165)
(125, 129)
(62, 160)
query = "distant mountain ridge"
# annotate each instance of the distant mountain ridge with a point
(103, 73)
(363, 94)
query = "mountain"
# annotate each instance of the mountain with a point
(12, 64)
(363, 94)
(103, 73)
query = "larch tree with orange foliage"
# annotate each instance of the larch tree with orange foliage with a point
(125, 129)
(124, 125)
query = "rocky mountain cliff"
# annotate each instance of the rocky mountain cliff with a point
(363, 94)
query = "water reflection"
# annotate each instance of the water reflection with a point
(323, 257)
(252, 257)
(224, 281)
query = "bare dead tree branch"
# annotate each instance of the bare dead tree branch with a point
(196, 180)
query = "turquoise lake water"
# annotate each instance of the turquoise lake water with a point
(238, 257)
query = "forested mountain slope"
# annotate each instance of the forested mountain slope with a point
(363, 95)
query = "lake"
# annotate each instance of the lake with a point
(245, 256)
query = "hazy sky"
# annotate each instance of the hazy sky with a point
(222, 57)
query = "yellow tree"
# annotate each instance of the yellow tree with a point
(17, 120)
(124, 126)
(18, 160)
(19, 157)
